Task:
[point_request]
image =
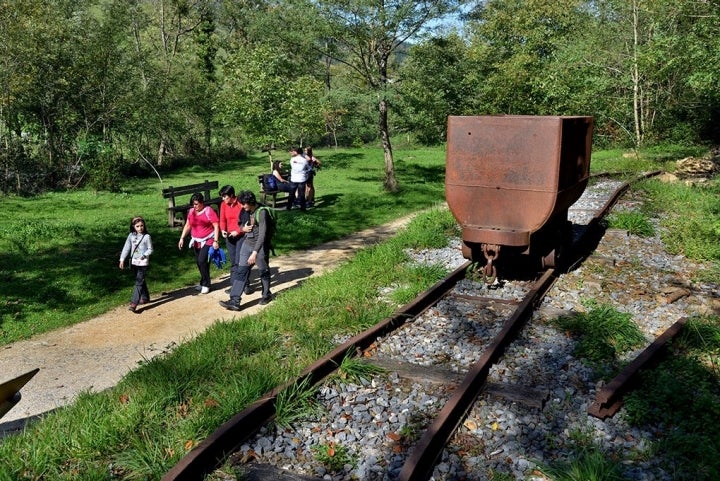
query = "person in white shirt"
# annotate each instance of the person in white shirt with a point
(299, 169)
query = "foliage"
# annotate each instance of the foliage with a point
(333, 456)
(437, 81)
(365, 36)
(683, 393)
(543, 58)
(634, 222)
(165, 84)
(296, 403)
(591, 464)
(604, 332)
(691, 227)
(268, 101)
(103, 165)
(354, 370)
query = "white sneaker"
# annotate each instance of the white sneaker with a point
(198, 288)
(204, 290)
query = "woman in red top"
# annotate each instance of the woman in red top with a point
(204, 228)
(230, 212)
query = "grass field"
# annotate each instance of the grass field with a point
(59, 251)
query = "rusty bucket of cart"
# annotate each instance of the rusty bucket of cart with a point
(510, 180)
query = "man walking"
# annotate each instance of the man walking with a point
(255, 250)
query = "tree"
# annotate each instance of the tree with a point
(364, 35)
(173, 45)
(436, 81)
(512, 43)
(266, 101)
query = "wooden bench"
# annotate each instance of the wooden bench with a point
(172, 193)
(273, 194)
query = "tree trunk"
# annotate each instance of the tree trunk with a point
(391, 183)
(161, 153)
(637, 106)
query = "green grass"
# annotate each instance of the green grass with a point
(692, 225)
(590, 464)
(353, 369)
(333, 456)
(645, 160)
(59, 251)
(604, 332)
(296, 403)
(634, 222)
(682, 397)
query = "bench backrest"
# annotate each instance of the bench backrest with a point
(205, 187)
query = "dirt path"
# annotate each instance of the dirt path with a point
(96, 354)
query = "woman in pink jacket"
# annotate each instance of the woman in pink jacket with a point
(203, 226)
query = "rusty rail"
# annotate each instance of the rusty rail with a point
(419, 465)
(609, 399)
(212, 450)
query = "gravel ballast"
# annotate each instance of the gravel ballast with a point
(369, 421)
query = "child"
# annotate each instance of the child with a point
(139, 246)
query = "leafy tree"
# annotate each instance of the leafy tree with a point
(512, 42)
(173, 43)
(436, 81)
(364, 35)
(41, 50)
(644, 68)
(269, 106)
(62, 78)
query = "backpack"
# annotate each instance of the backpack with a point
(269, 182)
(272, 223)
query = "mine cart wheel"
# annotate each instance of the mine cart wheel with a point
(550, 261)
(558, 256)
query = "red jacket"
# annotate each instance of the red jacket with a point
(229, 217)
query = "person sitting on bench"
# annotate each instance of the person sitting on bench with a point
(282, 184)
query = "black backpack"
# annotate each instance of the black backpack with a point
(272, 223)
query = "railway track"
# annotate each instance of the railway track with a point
(442, 358)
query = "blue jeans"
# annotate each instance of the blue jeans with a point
(234, 246)
(299, 191)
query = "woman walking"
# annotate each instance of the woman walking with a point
(203, 225)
